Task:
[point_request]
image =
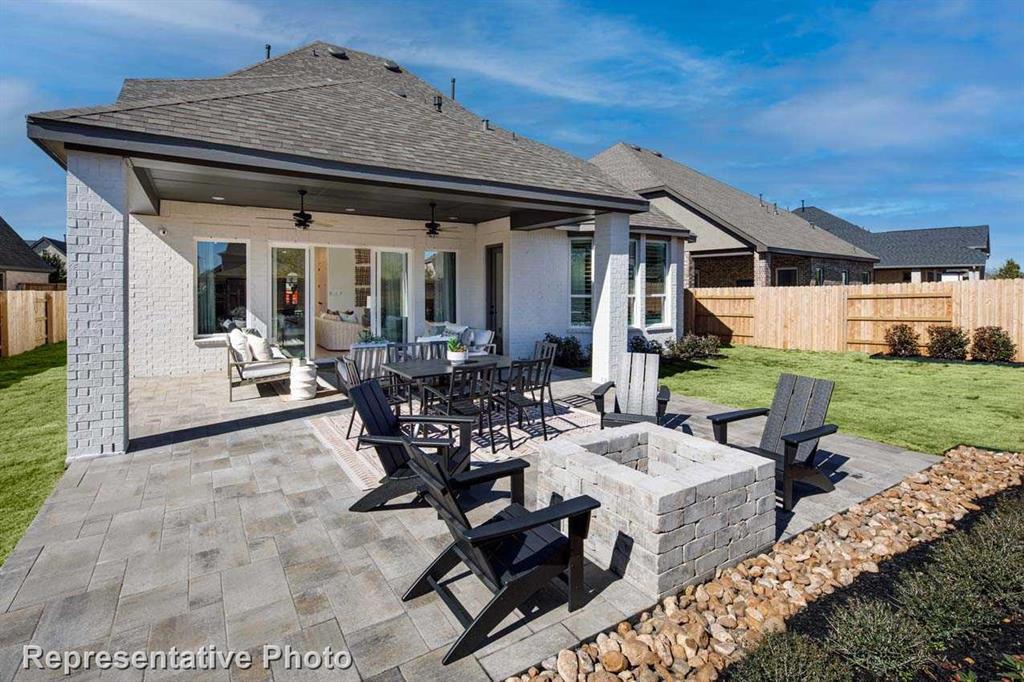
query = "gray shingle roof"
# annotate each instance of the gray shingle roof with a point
(310, 103)
(58, 244)
(645, 171)
(656, 218)
(925, 247)
(15, 254)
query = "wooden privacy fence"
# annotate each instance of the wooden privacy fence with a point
(29, 319)
(840, 318)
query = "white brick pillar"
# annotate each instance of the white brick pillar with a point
(611, 277)
(97, 268)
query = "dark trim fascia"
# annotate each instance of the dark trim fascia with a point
(929, 267)
(125, 143)
(713, 253)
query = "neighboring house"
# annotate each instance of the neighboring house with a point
(932, 254)
(55, 247)
(741, 239)
(19, 265)
(181, 197)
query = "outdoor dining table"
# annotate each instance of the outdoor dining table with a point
(420, 371)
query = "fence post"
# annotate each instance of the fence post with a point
(4, 338)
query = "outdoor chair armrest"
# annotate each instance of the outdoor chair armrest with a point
(489, 472)
(383, 440)
(418, 442)
(598, 395)
(720, 422)
(810, 434)
(737, 415)
(577, 506)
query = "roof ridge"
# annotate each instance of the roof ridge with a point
(147, 104)
(280, 56)
(199, 79)
(942, 227)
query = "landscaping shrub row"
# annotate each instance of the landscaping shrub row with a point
(969, 587)
(990, 344)
(689, 347)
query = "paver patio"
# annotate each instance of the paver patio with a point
(228, 524)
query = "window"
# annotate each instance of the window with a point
(655, 273)
(221, 300)
(785, 277)
(845, 276)
(907, 276)
(819, 276)
(865, 277)
(439, 285)
(581, 282)
(634, 246)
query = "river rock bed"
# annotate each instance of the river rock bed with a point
(695, 634)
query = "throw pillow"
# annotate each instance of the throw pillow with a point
(260, 348)
(239, 345)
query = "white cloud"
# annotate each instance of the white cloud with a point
(16, 97)
(217, 16)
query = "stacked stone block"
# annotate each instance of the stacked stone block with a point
(674, 507)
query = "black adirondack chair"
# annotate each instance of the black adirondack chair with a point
(380, 420)
(514, 554)
(796, 421)
(638, 397)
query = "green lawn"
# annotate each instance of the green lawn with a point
(921, 405)
(32, 436)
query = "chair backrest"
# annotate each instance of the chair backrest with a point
(545, 350)
(369, 361)
(440, 496)
(418, 350)
(636, 390)
(528, 375)
(468, 382)
(800, 403)
(380, 420)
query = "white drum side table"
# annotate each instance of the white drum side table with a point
(303, 379)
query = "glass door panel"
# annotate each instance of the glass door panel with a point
(392, 295)
(288, 313)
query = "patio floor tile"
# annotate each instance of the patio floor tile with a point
(385, 645)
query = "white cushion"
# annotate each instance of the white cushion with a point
(349, 317)
(260, 347)
(455, 329)
(268, 370)
(239, 346)
(482, 337)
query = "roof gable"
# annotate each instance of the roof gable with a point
(761, 223)
(15, 254)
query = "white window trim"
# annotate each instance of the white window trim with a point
(844, 276)
(577, 327)
(778, 270)
(195, 282)
(666, 313)
(631, 295)
(458, 274)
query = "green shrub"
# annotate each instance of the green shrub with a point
(786, 657)
(570, 352)
(948, 606)
(879, 643)
(641, 344)
(692, 347)
(992, 344)
(902, 340)
(947, 343)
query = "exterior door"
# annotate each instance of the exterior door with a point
(495, 305)
(290, 300)
(392, 298)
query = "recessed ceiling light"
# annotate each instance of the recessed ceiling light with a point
(350, 210)
(217, 198)
(453, 217)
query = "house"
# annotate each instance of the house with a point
(196, 205)
(55, 247)
(933, 254)
(19, 265)
(742, 240)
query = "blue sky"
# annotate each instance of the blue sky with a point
(891, 114)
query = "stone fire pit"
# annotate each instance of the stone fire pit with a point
(674, 507)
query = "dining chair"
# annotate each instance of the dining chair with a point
(524, 389)
(547, 350)
(469, 392)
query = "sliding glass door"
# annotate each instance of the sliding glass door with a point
(288, 300)
(393, 295)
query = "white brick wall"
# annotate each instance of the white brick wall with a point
(611, 268)
(97, 239)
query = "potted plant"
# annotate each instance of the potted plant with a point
(456, 351)
(369, 339)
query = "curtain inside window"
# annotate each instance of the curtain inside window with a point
(439, 280)
(392, 296)
(220, 286)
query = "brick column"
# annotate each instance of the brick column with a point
(97, 267)
(611, 277)
(689, 278)
(762, 269)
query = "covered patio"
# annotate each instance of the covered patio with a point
(228, 523)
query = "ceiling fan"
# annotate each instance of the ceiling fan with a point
(301, 219)
(433, 227)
